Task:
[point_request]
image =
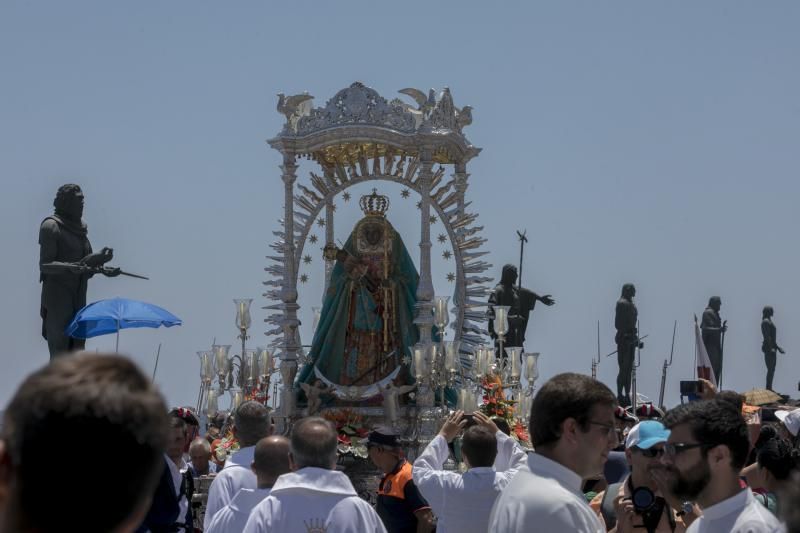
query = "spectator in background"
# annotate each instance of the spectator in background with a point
(790, 421)
(705, 452)
(572, 430)
(400, 504)
(314, 497)
(251, 423)
(648, 411)
(777, 461)
(644, 446)
(270, 460)
(462, 502)
(106, 401)
(200, 458)
(170, 510)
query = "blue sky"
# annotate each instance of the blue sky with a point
(656, 143)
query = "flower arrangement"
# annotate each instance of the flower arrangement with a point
(225, 447)
(495, 405)
(351, 430)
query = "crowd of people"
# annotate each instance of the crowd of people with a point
(594, 467)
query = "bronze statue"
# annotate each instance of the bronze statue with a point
(66, 263)
(521, 302)
(714, 335)
(770, 345)
(627, 339)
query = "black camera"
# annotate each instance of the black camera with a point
(643, 500)
(689, 388)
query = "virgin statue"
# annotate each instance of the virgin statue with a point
(366, 326)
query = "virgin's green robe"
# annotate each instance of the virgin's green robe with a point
(351, 315)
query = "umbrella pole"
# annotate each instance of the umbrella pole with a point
(116, 348)
(158, 353)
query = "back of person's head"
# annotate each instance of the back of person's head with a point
(200, 445)
(313, 443)
(714, 423)
(564, 396)
(252, 423)
(733, 397)
(271, 458)
(479, 446)
(779, 458)
(63, 431)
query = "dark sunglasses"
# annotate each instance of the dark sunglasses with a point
(679, 447)
(651, 453)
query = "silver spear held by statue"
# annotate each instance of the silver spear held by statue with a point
(57, 267)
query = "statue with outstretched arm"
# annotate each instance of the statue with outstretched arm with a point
(521, 302)
(770, 344)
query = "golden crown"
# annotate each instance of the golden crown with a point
(374, 205)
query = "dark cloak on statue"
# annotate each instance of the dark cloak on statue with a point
(366, 325)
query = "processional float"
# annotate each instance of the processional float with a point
(359, 137)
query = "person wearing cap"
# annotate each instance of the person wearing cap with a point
(617, 505)
(400, 504)
(791, 423)
(462, 502)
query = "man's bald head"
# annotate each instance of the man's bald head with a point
(313, 443)
(271, 459)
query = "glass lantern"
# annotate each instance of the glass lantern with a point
(243, 319)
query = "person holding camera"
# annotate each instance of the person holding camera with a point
(463, 501)
(637, 502)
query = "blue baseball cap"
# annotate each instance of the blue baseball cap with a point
(645, 435)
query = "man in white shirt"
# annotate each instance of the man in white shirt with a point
(314, 497)
(572, 429)
(707, 447)
(251, 423)
(270, 460)
(462, 502)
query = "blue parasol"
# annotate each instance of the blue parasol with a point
(110, 316)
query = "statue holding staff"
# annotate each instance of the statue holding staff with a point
(714, 328)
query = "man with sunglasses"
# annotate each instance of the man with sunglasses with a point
(638, 502)
(572, 430)
(707, 447)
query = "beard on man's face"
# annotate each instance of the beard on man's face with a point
(689, 484)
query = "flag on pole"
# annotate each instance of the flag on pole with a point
(704, 368)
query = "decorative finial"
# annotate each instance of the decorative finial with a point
(374, 205)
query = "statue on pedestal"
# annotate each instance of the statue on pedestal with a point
(714, 329)
(366, 325)
(627, 339)
(66, 263)
(521, 302)
(770, 344)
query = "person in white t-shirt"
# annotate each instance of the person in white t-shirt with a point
(270, 460)
(707, 447)
(462, 502)
(572, 430)
(314, 496)
(251, 423)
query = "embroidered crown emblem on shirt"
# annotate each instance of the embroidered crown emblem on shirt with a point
(315, 525)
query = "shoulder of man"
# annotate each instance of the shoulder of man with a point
(50, 225)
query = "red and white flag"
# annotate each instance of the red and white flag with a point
(704, 368)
